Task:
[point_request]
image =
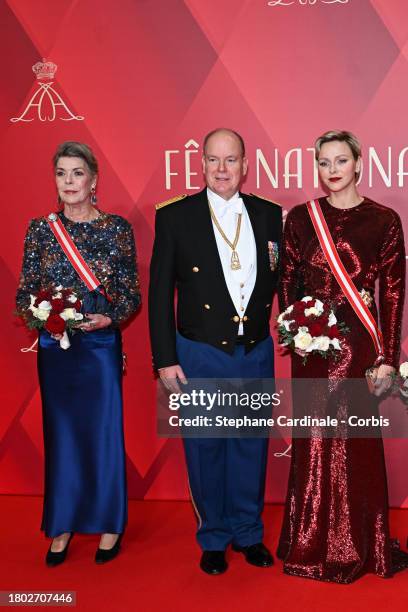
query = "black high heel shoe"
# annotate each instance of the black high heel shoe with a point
(103, 555)
(56, 558)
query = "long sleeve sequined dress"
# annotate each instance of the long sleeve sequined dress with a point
(335, 525)
(81, 387)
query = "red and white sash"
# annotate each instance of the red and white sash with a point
(74, 256)
(342, 276)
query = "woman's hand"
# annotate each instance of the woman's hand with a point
(381, 379)
(95, 321)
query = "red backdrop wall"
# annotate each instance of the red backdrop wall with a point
(142, 82)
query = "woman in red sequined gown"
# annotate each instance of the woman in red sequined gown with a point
(335, 526)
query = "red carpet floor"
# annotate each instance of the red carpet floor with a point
(158, 568)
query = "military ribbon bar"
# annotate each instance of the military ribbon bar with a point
(74, 256)
(342, 276)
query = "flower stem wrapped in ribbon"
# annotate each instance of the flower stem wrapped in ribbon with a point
(57, 310)
(310, 327)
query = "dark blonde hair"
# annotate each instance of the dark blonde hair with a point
(76, 149)
(341, 136)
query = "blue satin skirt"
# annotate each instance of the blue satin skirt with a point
(81, 389)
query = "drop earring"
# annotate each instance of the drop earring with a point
(94, 199)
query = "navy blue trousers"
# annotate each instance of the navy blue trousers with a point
(226, 475)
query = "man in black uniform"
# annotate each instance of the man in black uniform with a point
(219, 249)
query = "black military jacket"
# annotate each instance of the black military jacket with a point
(185, 257)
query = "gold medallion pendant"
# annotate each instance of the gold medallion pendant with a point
(235, 263)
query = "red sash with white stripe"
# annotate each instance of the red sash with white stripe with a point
(342, 276)
(74, 256)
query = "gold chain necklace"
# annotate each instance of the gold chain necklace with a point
(235, 263)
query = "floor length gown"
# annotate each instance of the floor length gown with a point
(335, 524)
(81, 387)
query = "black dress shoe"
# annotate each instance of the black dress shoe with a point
(213, 562)
(257, 554)
(56, 558)
(104, 555)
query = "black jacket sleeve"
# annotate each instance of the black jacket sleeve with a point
(161, 294)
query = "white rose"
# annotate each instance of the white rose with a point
(280, 318)
(68, 313)
(322, 343)
(72, 298)
(307, 298)
(57, 296)
(289, 309)
(32, 300)
(41, 314)
(59, 288)
(78, 316)
(311, 311)
(317, 344)
(302, 340)
(332, 319)
(335, 344)
(286, 324)
(44, 305)
(319, 306)
(403, 369)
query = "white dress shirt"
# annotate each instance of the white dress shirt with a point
(240, 283)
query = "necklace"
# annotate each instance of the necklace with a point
(235, 263)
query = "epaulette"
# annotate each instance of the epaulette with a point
(171, 201)
(256, 195)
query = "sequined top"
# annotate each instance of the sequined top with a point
(107, 245)
(370, 243)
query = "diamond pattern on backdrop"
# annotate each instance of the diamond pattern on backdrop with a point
(149, 76)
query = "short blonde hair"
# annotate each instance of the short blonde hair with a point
(341, 136)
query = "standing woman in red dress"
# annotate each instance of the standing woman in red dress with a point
(335, 526)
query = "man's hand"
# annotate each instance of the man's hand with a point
(381, 379)
(169, 377)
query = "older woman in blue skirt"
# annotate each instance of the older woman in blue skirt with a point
(81, 387)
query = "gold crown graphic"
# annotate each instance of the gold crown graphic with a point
(44, 70)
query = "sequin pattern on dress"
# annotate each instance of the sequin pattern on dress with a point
(335, 526)
(107, 245)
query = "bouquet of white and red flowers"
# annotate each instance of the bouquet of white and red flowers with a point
(57, 310)
(401, 381)
(310, 327)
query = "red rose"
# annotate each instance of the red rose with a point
(57, 305)
(77, 305)
(302, 321)
(315, 329)
(333, 332)
(323, 320)
(298, 308)
(55, 324)
(42, 296)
